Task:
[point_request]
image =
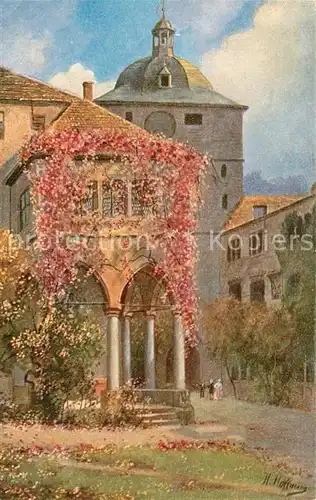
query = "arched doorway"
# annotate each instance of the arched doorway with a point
(90, 298)
(146, 303)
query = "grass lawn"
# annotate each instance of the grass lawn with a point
(135, 473)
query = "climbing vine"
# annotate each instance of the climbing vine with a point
(60, 167)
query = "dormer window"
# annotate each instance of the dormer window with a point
(165, 78)
(259, 210)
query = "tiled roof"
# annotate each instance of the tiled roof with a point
(85, 115)
(22, 88)
(243, 211)
(80, 114)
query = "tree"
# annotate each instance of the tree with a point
(262, 336)
(223, 321)
(298, 267)
(58, 343)
(271, 349)
(14, 265)
(62, 347)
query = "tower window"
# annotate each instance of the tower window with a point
(193, 119)
(224, 171)
(129, 116)
(2, 125)
(225, 201)
(164, 38)
(38, 123)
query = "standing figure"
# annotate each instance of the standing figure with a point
(218, 390)
(202, 390)
(211, 389)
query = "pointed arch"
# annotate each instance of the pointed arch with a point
(146, 290)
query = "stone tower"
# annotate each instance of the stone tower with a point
(166, 94)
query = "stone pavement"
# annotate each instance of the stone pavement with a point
(283, 432)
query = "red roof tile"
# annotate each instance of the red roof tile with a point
(85, 115)
(80, 114)
(23, 88)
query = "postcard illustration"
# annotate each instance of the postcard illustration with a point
(157, 249)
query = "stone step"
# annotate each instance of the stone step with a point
(158, 422)
(159, 415)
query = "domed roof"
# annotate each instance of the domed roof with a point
(163, 23)
(143, 81)
(143, 74)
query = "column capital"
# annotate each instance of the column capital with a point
(127, 314)
(150, 314)
(177, 313)
(113, 311)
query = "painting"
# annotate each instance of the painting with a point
(157, 249)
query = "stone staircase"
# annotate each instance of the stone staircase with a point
(159, 415)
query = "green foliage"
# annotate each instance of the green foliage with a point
(298, 267)
(61, 347)
(263, 337)
(119, 408)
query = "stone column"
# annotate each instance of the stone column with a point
(150, 373)
(179, 353)
(129, 199)
(101, 368)
(127, 348)
(113, 335)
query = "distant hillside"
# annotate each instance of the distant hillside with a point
(254, 183)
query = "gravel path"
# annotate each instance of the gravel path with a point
(283, 432)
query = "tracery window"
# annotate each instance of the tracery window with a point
(107, 197)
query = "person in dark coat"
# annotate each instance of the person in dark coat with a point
(202, 390)
(211, 389)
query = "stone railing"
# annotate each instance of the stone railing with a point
(170, 397)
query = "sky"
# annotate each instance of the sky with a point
(260, 53)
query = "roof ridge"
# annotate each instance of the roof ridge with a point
(242, 213)
(65, 93)
(117, 122)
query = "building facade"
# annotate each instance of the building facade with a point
(251, 239)
(125, 287)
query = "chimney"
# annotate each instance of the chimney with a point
(88, 90)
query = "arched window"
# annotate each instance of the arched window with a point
(223, 171)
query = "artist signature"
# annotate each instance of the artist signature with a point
(285, 484)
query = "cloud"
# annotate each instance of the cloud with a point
(25, 52)
(72, 79)
(254, 183)
(203, 17)
(29, 32)
(271, 68)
